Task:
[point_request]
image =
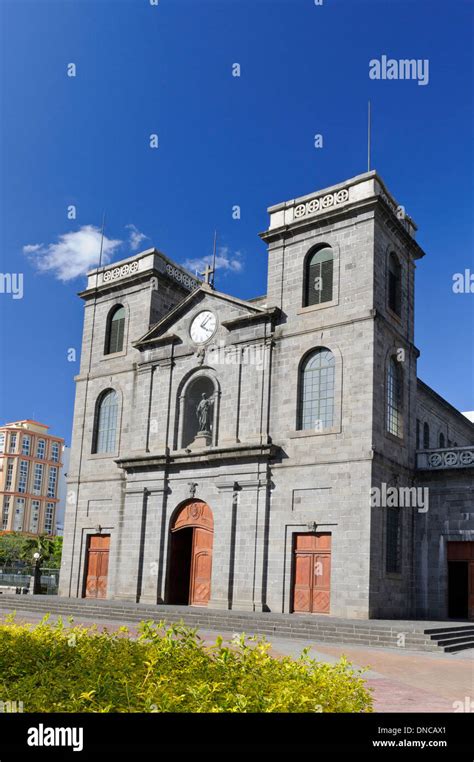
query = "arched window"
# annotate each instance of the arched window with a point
(316, 391)
(394, 398)
(394, 284)
(319, 276)
(441, 441)
(105, 429)
(115, 330)
(426, 436)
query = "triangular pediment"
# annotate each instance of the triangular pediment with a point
(226, 308)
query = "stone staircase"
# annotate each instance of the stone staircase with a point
(454, 638)
(410, 635)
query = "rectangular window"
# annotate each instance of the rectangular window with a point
(13, 440)
(394, 300)
(38, 479)
(2, 442)
(23, 478)
(26, 445)
(9, 479)
(55, 452)
(394, 541)
(394, 284)
(6, 511)
(394, 399)
(19, 513)
(49, 518)
(320, 283)
(41, 449)
(34, 516)
(53, 478)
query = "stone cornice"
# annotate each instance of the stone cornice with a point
(271, 314)
(205, 456)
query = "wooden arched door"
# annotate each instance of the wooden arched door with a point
(190, 568)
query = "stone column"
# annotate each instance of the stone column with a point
(140, 411)
(250, 536)
(223, 551)
(131, 538)
(153, 577)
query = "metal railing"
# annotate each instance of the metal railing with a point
(21, 578)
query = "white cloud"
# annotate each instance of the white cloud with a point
(30, 248)
(73, 255)
(135, 237)
(225, 260)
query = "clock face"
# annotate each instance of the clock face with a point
(203, 326)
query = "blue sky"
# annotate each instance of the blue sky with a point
(223, 141)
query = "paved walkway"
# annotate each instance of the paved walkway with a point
(401, 680)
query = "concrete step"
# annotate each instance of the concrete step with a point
(456, 639)
(459, 646)
(304, 628)
(452, 634)
(444, 630)
(234, 622)
(453, 638)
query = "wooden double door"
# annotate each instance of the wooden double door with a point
(97, 566)
(461, 580)
(312, 572)
(190, 567)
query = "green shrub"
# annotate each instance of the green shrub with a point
(165, 669)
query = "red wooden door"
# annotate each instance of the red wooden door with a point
(97, 566)
(201, 567)
(470, 599)
(463, 550)
(312, 573)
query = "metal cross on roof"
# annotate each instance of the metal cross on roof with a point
(208, 271)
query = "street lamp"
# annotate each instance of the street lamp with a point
(37, 573)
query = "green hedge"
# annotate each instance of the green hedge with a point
(166, 668)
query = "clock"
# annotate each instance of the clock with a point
(203, 326)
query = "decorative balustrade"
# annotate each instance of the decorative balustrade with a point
(449, 457)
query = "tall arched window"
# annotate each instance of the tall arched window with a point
(115, 330)
(394, 284)
(394, 398)
(426, 436)
(316, 391)
(105, 429)
(319, 276)
(441, 441)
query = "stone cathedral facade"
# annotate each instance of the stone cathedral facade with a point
(278, 453)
